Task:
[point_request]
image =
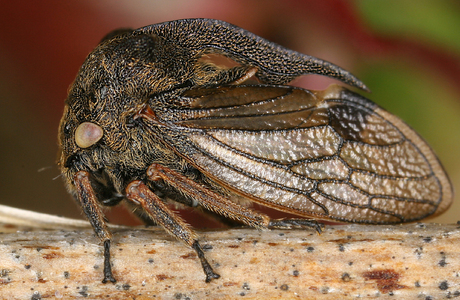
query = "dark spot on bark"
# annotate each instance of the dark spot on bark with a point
(36, 296)
(387, 280)
(443, 285)
(191, 255)
(229, 283)
(442, 262)
(84, 291)
(284, 287)
(207, 247)
(346, 277)
(161, 277)
(51, 255)
(427, 239)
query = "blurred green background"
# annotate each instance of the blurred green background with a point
(407, 52)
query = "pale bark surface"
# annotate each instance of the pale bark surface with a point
(414, 261)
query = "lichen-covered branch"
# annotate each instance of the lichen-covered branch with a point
(344, 262)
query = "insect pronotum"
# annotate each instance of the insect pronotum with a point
(148, 121)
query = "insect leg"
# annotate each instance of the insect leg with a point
(292, 223)
(223, 206)
(93, 212)
(207, 198)
(140, 194)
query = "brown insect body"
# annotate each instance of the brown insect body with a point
(146, 120)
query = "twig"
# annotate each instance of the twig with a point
(344, 262)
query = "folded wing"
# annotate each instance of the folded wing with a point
(331, 154)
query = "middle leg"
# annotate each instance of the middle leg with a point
(138, 193)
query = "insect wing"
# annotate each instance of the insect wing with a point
(331, 154)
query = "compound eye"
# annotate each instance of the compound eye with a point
(88, 134)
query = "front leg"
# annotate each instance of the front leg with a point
(108, 276)
(90, 205)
